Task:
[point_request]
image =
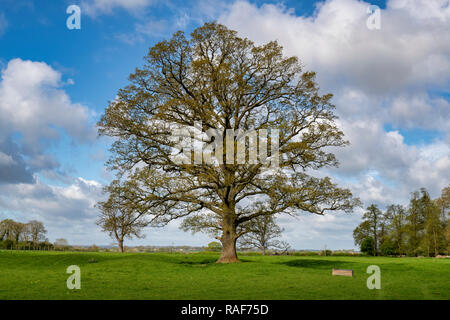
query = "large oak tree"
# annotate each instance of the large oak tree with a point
(224, 82)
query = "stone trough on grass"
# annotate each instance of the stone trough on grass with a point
(342, 272)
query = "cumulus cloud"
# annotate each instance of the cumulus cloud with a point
(33, 104)
(412, 48)
(378, 76)
(390, 68)
(424, 9)
(35, 109)
(67, 211)
(13, 168)
(419, 110)
(72, 202)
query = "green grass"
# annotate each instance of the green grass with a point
(42, 275)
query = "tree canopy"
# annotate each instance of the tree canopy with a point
(219, 83)
(32, 231)
(420, 229)
(120, 217)
(262, 233)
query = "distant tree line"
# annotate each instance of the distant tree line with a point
(421, 229)
(24, 235)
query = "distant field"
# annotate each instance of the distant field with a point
(42, 275)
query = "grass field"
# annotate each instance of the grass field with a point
(42, 275)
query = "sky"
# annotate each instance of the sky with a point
(390, 87)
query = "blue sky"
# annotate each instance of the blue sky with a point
(391, 90)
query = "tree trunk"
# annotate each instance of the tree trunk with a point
(229, 254)
(228, 240)
(121, 245)
(263, 251)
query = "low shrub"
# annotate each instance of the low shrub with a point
(325, 253)
(304, 253)
(250, 253)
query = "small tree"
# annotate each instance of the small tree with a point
(443, 204)
(11, 230)
(361, 232)
(370, 227)
(434, 241)
(119, 217)
(416, 220)
(396, 218)
(18, 230)
(5, 229)
(214, 246)
(37, 231)
(61, 243)
(93, 248)
(261, 234)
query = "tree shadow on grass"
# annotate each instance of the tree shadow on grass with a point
(244, 260)
(198, 261)
(318, 264)
(208, 260)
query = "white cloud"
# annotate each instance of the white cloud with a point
(13, 168)
(67, 212)
(410, 49)
(309, 231)
(378, 76)
(397, 165)
(73, 202)
(33, 104)
(424, 9)
(6, 159)
(421, 111)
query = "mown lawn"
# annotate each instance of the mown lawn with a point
(42, 275)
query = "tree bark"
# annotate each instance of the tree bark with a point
(228, 241)
(229, 254)
(120, 245)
